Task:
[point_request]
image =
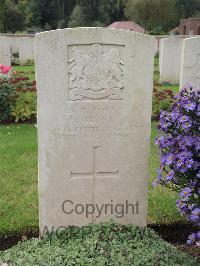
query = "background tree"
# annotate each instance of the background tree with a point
(3, 8)
(156, 16)
(34, 15)
(153, 14)
(165, 14)
(185, 8)
(141, 11)
(14, 20)
(78, 18)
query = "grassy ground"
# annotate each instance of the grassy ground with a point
(25, 69)
(162, 208)
(18, 177)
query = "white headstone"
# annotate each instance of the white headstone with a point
(26, 49)
(5, 55)
(170, 60)
(190, 66)
(94, 122)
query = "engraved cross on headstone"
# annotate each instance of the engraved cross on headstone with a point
(94, 174)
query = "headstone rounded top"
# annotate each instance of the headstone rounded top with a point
(96, 29)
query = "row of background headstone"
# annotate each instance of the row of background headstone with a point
(9, 45)
(180, 61)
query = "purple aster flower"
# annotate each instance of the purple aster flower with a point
(191, 239)
(194, 218)
(179, 144)
(187, 124)
(184, 118)
(190, 106)
(191, 206)
(170, 176)
(182, 206)
(175, 115)
(169, 159)
(186, 192)
(155, 184)
(196, 211)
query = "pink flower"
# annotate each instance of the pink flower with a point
(5, 69)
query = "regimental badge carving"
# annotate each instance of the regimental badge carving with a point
(96, 75)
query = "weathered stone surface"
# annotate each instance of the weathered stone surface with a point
(190, 66)
(5, 55)
(170, 60)
(22, 45)
(26, 49)
(94, 122)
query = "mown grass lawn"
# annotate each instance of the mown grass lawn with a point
(18, 177)
(31, 76)
(18, 181)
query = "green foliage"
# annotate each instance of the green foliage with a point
(34, 15)
(153, 13)
(105, 244)
(7, 93)
(187, 8)
(62, 24)
(157, 16)
(15, 59)
(102, 11)
(24, 107)
(3, 8)
(157, 31)
(29, 62)
(14, 20)
(162, 100)
(78, 18)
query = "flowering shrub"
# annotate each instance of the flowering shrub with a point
(5, 69)
(17, 96)
(179, 144)
(7, 94)
(24, 108)
(21, 82)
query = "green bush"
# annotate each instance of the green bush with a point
(106, 244)
(15, 59)
(7, 93)
(29, 62)
(24, 107)
(162, 100)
